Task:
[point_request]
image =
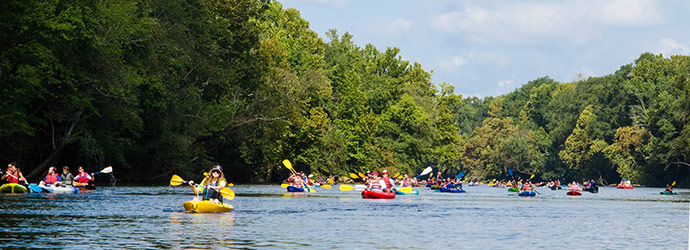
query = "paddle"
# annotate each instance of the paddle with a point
(105, 171)
(426, 171)
(405, 189)
(396, 175)
(361, 175)
(284, 185)
(344, 187)
(288, 165)
(353, 176)
(227, 193)
(326, 186)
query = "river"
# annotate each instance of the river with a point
(265, 216)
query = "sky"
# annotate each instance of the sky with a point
(489, 48)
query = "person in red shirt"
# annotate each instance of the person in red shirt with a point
(13, 175)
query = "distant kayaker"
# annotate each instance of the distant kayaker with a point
(13, 175)
(574, 186)
(52, 178)
(212, 185)
(83, 178)
(388, 181)
(66, 176)
(669, 188)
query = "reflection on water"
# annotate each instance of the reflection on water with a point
(268, 217)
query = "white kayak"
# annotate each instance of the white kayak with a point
(54, 190)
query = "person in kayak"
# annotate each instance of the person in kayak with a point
(212, 185)
(669, 188)
(375, 183)
(574, 186)
(388, 181)
(13, 175)
(83, 178)
(51, 179)
(66, 176)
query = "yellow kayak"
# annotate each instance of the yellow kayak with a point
(206, 207)
(12, 188)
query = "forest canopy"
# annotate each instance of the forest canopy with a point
(161, 87)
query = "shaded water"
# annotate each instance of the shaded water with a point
(267, 217)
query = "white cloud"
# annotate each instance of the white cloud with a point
(573, 20)
(399, 25)
(670, 47)
(457, 61)
(506, 84)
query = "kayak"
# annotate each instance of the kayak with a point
(593, 190)
(53, 190)
(61, 190)
(668, 193)
(512, 189)
(12, 188)
(448, 190)
(360, 187)
(624, 187)
(415, 192)
(433, 187)
(527, 193)
(555, 187)
(368, 194)
(574, 192)
(206, 207)
(294, 189)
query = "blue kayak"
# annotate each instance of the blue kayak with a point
(55, 190)
(415, 192)
(448, 190)
(527, 193)
(294, 189)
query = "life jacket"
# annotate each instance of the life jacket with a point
(83, 178)
(51, 178)
(67, 178)
(375, 185)
(13, 177)
(387, 180)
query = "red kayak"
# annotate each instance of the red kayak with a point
(368, 194)
(574, 192)
(625, 187)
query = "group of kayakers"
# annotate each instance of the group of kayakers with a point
(299, 180)
(384, 183)
(82, 179)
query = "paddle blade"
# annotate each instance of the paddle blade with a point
(107, 170)
(344, 187)
(405, 189)
(510, 171)
(400, 177)
(227, 193)
(531, 177)
(361, 175)
(284, 185)
(35, 188)
(176, 180)
(674, 183)
(326, 186)
(396, 175)
(288, 165)
(353, 176)
(231, 185)
(426, 171)
(460, 175)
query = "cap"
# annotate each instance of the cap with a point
(375, 173)
(384, 172)
(217, 168)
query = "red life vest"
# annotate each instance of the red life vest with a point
(13, 177)
(387, 180)
(51, 178)
(83, 178)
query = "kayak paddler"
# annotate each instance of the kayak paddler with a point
(211, 185)
(51, 179)
(388, 181)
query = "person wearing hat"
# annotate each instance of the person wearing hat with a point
(388, 181)
(376, 183)
(211, 185)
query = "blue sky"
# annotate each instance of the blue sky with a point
(489, 48)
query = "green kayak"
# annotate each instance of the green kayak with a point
(12, 188)
(512, 189)
(668, 193)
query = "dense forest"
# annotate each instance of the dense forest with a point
(161, 87)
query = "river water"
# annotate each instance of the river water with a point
(265, 216)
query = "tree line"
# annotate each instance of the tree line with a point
(161, 87)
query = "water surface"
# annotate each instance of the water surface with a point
(265, 216)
